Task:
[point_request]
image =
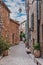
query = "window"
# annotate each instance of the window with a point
(7, 37)
(33, 41)
(8, 15)
(0, 4)
(0, 20)
(32, 22)
(29, 34)
(0, 32)
(13, 38)
(0, 16)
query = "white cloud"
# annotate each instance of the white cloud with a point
(14, 6)
(21, 19)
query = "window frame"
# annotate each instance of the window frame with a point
(32, 22)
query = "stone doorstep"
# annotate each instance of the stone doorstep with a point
(38, 61)
(31, 56)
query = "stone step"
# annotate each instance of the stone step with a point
(31, 56)
(39, 61)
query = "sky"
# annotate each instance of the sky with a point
(14, 6)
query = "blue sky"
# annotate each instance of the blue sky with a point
(14, 6)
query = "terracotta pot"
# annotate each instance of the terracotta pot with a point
(5, 53)
(37, 53)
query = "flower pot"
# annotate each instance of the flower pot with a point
(37, 53)
(5, 53)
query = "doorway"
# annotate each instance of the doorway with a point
(33, 43)
(42, 31)
(13, 38)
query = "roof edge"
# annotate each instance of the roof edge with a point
(14, 21)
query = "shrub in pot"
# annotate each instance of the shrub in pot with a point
(37, 50)
(4, 46)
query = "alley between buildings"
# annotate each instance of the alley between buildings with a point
(17, 56)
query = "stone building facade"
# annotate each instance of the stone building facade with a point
(33, 22)
(41, 28)
(36, 20)
(22, 26)
(6, 25)
(14, 31)
(4, 19)
(36, 23)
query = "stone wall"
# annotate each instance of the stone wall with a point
(41, 30)
(33, 10)
(8, 27)
(14, 30)
(5, 20)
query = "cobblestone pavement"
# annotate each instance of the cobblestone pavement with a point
(17, 56)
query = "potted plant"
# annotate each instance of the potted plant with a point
(1, 45)
(37, 50)
(4, 46)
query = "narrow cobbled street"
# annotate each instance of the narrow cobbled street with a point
(17, 56)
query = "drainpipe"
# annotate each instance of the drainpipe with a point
(38, 21)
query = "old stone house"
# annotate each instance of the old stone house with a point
(33, 22)
(7, 26)
(14, 31)
(35, 10)
(41, 27)
(36, 19)
(4, 19)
